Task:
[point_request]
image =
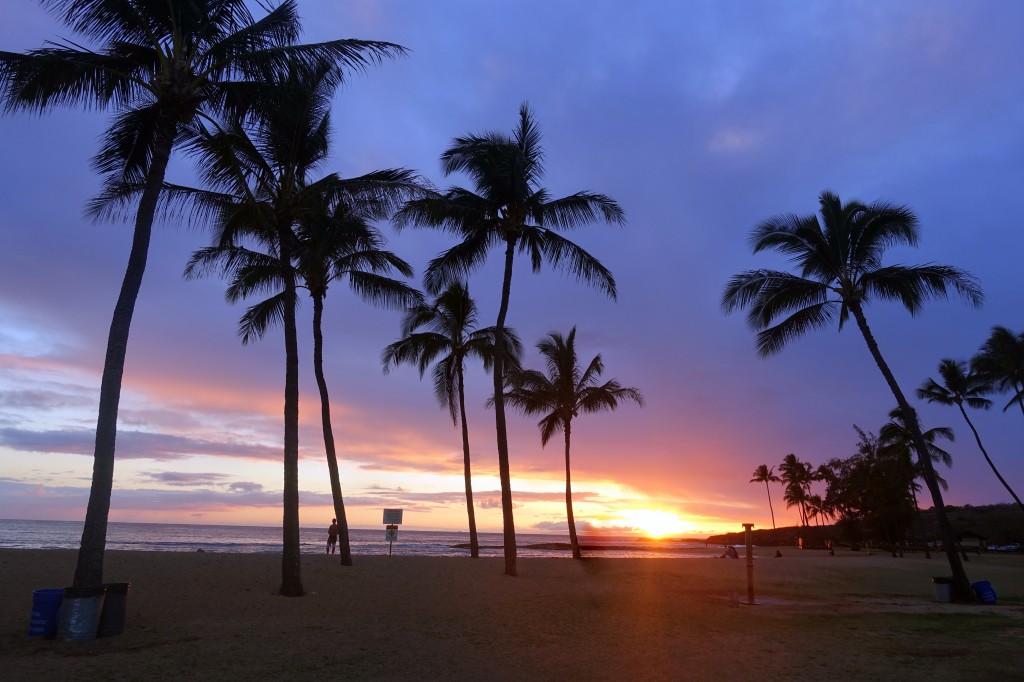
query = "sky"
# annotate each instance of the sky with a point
(700, 118)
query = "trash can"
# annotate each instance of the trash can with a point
(986, 593)
(80, 614)
(943, 589)
(45, 612)
(114, 602)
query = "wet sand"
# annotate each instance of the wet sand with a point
(208, 616)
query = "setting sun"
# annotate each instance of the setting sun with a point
(655, 523)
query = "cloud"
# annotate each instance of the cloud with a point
(132, 445)
(245, 487)
(182, 479)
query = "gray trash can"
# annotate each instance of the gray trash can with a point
(943, 589)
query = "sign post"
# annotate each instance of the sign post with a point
(750, 563)
(392, 519)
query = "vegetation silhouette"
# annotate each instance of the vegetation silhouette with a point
(562, 393)
(765, 474)
(260, 191)
(961, 386)
(450, 337)
(508, 208)
(160, 66)
(1000, 361)
(839, 262)
(796, 476)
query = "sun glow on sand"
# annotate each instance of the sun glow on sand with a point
(654, 523)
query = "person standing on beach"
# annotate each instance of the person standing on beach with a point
(332, 536)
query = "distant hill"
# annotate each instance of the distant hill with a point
(999, 524)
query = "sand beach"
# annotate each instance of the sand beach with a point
(210, 616)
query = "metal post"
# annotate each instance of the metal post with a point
(750, 563)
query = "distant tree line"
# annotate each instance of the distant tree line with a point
(872, 495)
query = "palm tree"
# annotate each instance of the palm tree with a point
(840, 270)
(160, 66)
(765, 474)
(262, 192)
(896, 438)
(797, 477)
(1000, 361)
(563, 393)
(896, 441)
(449, 338)
(336, 243)
(960, 387)
(510, 209)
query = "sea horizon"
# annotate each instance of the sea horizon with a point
(246, 539)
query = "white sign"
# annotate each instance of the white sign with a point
(391, 535)
(392, 516)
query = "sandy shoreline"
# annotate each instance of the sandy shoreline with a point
(215, 616)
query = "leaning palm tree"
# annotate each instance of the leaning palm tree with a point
(508, 209)
(1000, 361)
(450, 336)
(160, 66)
(564, 392)
(960, 387)
(765, 474)
(839, 260)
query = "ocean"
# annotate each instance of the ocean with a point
(170, 537)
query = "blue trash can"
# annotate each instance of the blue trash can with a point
(45, 612)
(986, 593)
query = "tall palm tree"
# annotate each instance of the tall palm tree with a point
(449, 337)
(839, 261)
(335, 243)
(159, 66)
(797, 477)
(508, 208)
(765, 474)
(1001, 362)
(563, 393)
(960, 387)
(261, 192)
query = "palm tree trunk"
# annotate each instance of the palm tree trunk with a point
(291, 566)
(981, 447)
(961, 585)
(344, 545)
(89, 569)
(770, 503)
(474, 543)
(508, 522)
(920, 522)
(573, 538)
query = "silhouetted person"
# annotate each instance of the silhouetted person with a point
(332, 536)
(730, 552)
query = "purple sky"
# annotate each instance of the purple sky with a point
(699, 118)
